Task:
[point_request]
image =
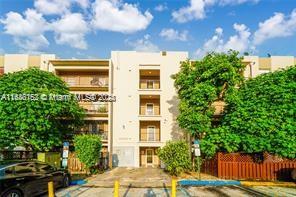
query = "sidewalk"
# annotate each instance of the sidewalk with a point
(131, 177)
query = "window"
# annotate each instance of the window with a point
(150, 133)
(44, 168)
(25, 168)
(149, 109)
(6, 171)
(150, 84)
(71, 81)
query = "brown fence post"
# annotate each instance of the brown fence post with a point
(219, 165)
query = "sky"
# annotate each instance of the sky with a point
(93, 28)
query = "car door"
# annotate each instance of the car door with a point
(27, 177)
(52, 174)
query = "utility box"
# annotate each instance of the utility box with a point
(51, 158)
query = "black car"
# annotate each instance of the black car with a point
(29, 178)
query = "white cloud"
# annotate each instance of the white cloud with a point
(278, 25)
(196, 10)
(58, 7)
(71, 30)
(239, 42)
(143, 44)
(161, 7)
(172, 34)
(114, 15)
(51, 7)
(83, 3)
(236, 2)
(27, 31)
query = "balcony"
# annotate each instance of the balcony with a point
(149, 105)
(149, 131)
(149, 84)
(80, 81)
(95, 109)
(219, 108)
(149, 80)
(95, 127)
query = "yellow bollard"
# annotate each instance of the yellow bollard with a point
(174, 184)
(50, 189)
(116, 188)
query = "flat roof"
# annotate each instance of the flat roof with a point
(80, 62)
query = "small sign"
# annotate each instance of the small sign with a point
(65, 153)
(197, 152)
(64, 162)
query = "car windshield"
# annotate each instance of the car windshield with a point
(16, 168)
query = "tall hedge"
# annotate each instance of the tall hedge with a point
(88, 149)
(175, 156)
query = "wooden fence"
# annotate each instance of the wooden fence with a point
(17, 155)
(249, 167)
(76, 167)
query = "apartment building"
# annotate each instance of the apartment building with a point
(85, 77)
(143, 118)
(258, 65)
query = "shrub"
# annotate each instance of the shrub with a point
(87, 149)
(175, 156)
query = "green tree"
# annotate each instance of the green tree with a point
(260, 117)
(175, 157)
(37, 124)
(200, 84)
(87, 148)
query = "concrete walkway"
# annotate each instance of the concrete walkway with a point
(132, 177)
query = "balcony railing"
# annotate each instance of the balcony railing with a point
(149, 136)
(102, 134)
(95, 108)
(219, 108)
(149, 84)
(150, 112)
(86, 81)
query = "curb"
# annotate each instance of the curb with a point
(193, 182)
(207, 183)
(262, 183)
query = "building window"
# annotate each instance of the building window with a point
(150, 84)
(71, 81)
(151, 133)
(149, 109)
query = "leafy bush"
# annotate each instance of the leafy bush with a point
(175, 156)
(87, 149)
(260, 117)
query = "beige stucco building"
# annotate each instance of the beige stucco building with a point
(143, 118)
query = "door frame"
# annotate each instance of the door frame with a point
(152, 151)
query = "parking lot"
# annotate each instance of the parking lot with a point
(202, 191)
(153, 182)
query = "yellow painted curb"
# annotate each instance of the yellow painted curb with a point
(258, 183)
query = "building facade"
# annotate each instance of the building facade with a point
(143, 117)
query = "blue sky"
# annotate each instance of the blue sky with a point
(92, 28)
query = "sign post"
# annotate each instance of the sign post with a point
(65, 154)
(197, 154)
